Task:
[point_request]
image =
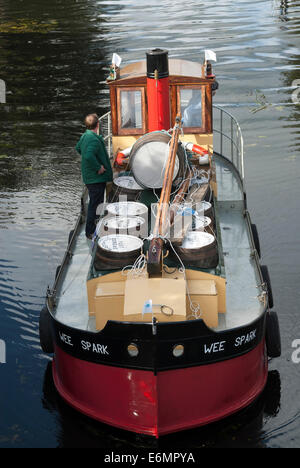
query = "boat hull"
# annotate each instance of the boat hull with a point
(158, 403)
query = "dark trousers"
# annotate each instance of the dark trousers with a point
(96, 194)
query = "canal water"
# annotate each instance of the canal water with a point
(54, 58)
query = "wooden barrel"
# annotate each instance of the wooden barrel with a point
(201, 223)
(131, 225)
(127, 209)
(204, 208)
(124, 188)
(148, 159)
(199, 249)
(117, 251)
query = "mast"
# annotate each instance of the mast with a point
(156, 245)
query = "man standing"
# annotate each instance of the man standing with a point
(95, 167)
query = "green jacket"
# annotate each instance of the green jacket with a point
(93, 155)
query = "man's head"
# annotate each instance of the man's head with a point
(91, 121)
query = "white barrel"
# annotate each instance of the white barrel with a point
(201, 223)
(127, 182)
(204, 208)
(198, 249)
(125, 188)
(127, 209)
(118, 243)
(197, 240)
(131, 225)
(117, 251)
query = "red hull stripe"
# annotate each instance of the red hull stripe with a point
(139, 401)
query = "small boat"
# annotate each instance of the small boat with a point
(164, 321)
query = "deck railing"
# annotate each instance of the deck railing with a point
(228, 138)
(106, 131)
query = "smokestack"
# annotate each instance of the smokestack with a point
(158, 90)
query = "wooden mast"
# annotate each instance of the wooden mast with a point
(156, 245)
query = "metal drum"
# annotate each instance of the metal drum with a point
(198, 249)
(126, 188)
(148, 158)
(204, 208)
(201, 223)
(116, 251)
(131, 225)
(127, 209)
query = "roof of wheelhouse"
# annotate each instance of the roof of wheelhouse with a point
(177, 68)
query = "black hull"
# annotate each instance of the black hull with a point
(202, 345)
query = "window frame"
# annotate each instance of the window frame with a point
(205, 108)
(133, 130)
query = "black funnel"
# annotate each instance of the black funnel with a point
(157, 59)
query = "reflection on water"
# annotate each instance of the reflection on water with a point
(54, 59)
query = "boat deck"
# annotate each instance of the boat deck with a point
(243, 305)
(72, 300)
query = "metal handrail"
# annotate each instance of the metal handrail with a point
(235, 148)
(235, 142)
(106, 131)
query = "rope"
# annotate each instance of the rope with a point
(137, 269)
(194, 306)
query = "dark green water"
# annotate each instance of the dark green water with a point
(54, 59)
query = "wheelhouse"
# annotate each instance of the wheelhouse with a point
(190, 95)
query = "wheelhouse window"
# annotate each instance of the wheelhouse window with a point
(131, 111)
(195, 105)
(191, 106)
